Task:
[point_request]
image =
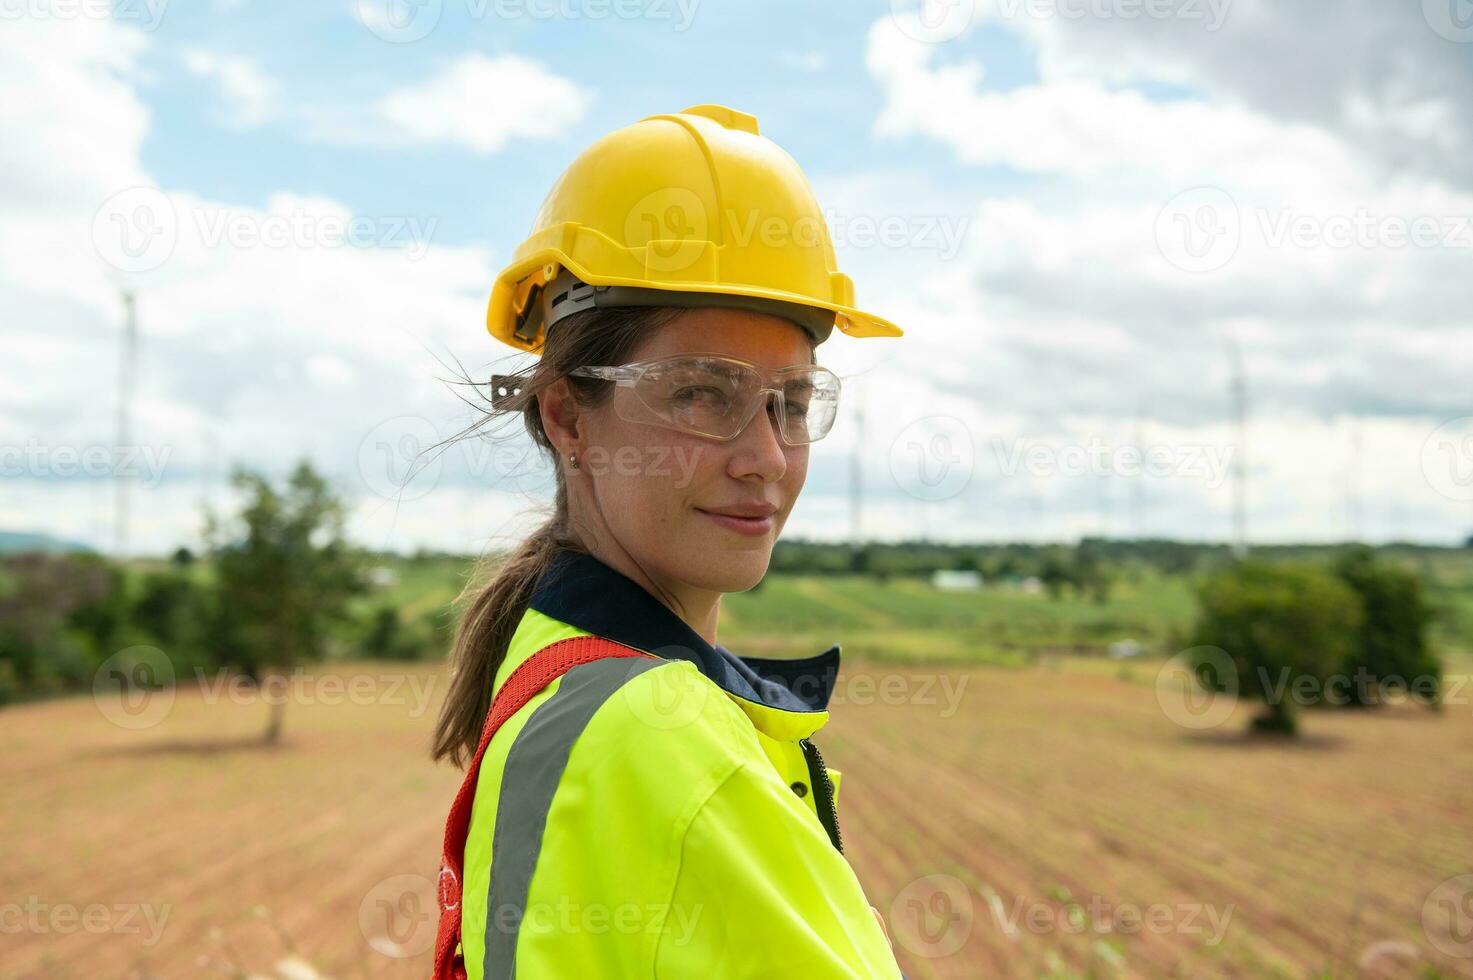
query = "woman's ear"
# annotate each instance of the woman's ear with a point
(560, 416)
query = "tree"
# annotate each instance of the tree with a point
(284, 574)
(1390, 651)
(60, 616)
(1088, 573)
(386, 636)
(1055, 575)
(175, 609)
(1286, 629)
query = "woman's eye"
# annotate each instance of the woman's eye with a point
(698, 395)
(796, 409)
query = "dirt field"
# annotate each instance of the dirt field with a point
(1001, 833)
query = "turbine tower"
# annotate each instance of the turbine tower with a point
(121, 484)
(1239, 390)
(856, 472)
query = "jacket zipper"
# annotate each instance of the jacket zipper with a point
(823, 788)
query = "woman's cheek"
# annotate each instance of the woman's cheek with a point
(797, 473)
(697, 464)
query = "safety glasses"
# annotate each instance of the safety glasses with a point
(714, 395)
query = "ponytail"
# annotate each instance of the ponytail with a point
(483, 636)
(596, 336)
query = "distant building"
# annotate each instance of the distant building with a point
(1122, 649)
(383, 577)
(956, 580)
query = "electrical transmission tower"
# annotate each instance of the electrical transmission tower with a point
(121, 482)
(1239, 388)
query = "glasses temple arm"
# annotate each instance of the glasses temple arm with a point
(622, 373)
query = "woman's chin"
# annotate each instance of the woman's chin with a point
(719, 564)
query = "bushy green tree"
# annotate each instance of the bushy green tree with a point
(61, 614)
(175, 610)
(1390, 652)
(1287, 628)
(386, 636)
(1089, 574)
(285, 573)
(1055, 576)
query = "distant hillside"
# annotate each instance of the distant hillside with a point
(12, 541)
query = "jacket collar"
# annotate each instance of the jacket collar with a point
(582, 591)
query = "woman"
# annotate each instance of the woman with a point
(656, 808)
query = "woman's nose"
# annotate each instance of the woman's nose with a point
(762, 438)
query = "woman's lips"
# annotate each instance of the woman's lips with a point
(742, 525)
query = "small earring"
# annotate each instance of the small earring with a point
(573, 461)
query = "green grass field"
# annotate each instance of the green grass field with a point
(909, 620)
(906, 619)
(900, 619)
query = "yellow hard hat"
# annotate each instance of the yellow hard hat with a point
(695, 203)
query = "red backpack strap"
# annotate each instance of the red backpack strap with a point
(531, 676)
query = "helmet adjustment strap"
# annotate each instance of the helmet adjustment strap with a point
(566, 294)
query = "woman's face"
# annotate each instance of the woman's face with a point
(656, 491)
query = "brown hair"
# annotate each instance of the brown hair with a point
(597, 336)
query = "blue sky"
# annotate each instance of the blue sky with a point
(1097, 200)
(799, 69)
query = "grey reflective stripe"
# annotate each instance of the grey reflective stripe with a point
(534, 768)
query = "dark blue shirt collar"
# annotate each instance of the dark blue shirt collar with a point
(582, 591)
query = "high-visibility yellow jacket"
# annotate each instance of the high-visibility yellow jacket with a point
(659, 818)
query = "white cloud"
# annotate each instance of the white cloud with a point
(301, 329)
(75, 71)
(250, 96)
(329, 371)
(1074, 316)
(1376, 74)
(1081, 128)
(483, 103)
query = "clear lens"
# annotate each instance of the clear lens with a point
(716, 397)
(812, 399)
(703, 395)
